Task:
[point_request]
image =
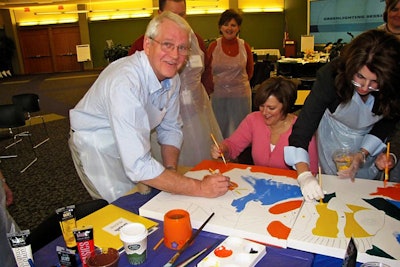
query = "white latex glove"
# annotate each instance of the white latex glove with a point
(309, 186)
(352, 170)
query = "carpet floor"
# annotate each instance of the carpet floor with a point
(50, 183)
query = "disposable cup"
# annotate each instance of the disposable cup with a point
(134, 238)
(343, 158)
(177, 228)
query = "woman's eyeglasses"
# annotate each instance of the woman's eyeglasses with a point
(169, 47)
(370, 88)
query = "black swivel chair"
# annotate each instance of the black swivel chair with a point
(50, 228)
(12, 118)
(29, 104)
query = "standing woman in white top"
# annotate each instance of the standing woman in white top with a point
(232, 68)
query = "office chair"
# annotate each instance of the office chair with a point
(30, 103)
(11, 118)
(50, 229)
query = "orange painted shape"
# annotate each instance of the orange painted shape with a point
(285, 206)
(215, 164)
(222, 252)
(278, 229)
(233, 186)
(391, 191)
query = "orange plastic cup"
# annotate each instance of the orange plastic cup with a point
(177, 228)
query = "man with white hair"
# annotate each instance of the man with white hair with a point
(111, 125)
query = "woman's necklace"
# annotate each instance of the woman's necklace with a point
(388, 30)
(281, 127)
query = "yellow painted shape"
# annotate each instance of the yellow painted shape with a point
(352, 228)
(326, 224)
(301, 97)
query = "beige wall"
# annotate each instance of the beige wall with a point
(260, 30)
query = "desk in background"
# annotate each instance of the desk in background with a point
(269, 54)
(295, 68)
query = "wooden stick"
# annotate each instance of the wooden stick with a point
(158, 244)
(192, 258)
(186, 245)
(216, 172)
(215, 142)
(320, 181)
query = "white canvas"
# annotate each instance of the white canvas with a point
(253, 217)
(234, 214)
(317, 229)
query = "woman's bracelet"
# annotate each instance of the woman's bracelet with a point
(364, 154)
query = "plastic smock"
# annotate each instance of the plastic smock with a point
(10, 224)
(196, 112)
(102, 163)
(231, 99)
(7, 225)
(111, 126)
(229, 73)
(347, 127)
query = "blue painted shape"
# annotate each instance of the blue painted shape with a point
(394, 202)
(397, 235)
(266, 191)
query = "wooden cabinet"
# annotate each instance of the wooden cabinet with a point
(49, 49)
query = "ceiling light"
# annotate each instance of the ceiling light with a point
(265, 9)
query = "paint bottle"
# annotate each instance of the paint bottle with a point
(21, 247)
(67, 220)
(84, 242)
(66, 257)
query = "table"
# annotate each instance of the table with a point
(295, 69)
(47, 256)
(275, 256)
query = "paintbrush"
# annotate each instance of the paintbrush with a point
(320, 181)
(185, 246)
(387, 160)
(192, 258)
(217, 172)
(215, 142)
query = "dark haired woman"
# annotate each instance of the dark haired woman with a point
(267, 130)
(354, 103)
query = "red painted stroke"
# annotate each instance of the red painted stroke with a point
(215, 164)
(285, 206)
(391, 191)
(223, 252)
(278, 229)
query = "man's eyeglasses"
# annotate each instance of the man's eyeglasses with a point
(356, 84)
(169, 47)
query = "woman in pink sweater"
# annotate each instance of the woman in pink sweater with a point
(267, 131)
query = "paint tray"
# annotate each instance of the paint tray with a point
(234, 252)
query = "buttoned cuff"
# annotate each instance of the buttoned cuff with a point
(294, 155)
(372, 144)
